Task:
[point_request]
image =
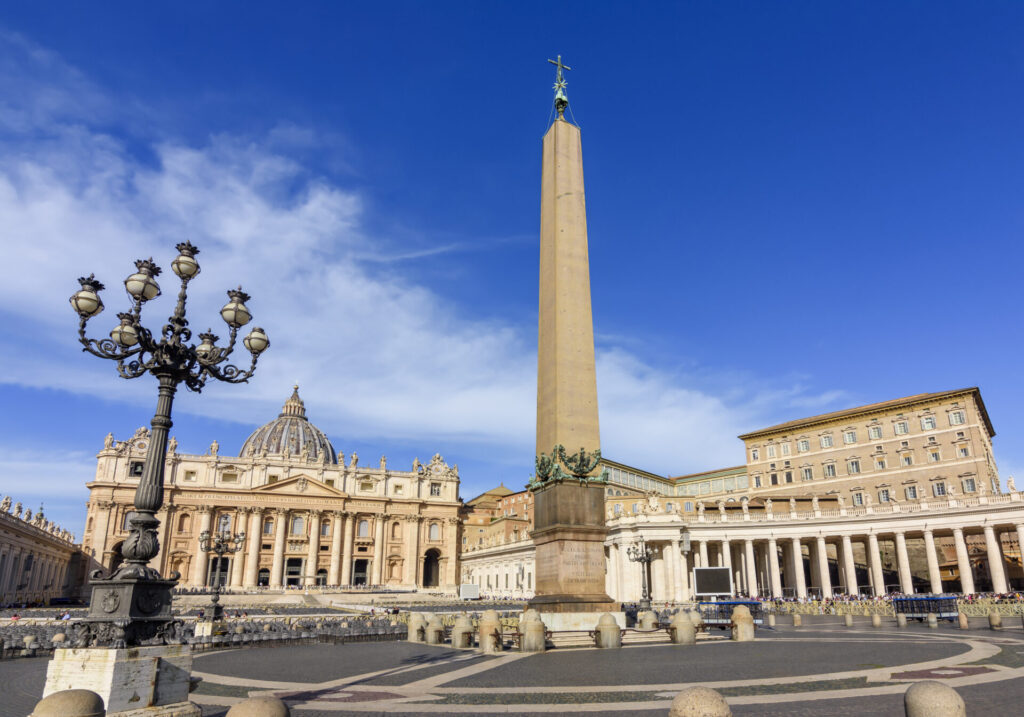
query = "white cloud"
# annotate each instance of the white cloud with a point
(379, 354)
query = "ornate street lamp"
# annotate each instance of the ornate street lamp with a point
(220, 544)
(639, 552)
(133, 605)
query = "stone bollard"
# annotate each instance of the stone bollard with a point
(681, 631)
(59, 639)
(876, 620)
(699, 702)
(70, 703)
(531, 632)
(771, 619)
(931, 698)
(797, 620)
(848, 620)
(260, 707)
(901, 620)
(462, 632)
(742, 624)
(647, 620)
(995, 621)
(607, 633)
(489, 639)
(434, 633)
(696, 619)
(417, 628)
(961, 620)
(933, 620)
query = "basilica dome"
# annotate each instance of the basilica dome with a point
(291, 434)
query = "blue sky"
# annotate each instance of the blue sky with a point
(793, 208)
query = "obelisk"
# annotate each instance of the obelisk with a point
(569, 528)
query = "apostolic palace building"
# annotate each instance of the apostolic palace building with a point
(898, 496)
(309, 517)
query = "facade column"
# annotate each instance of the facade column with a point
(238, 559)
(412, 549)
(903, 565)
(378, 552)
(798, 569)
(280, 532)
(313, 552)
(775, 576)
(963, 562)
(668, 572)
(748, 546)
(451, 538)
(875, 563)
(934, 576)
(337, 526)
(202, 557)
(703, 554)
(620, 573)
(823, 573)
(995, 560)
(253, 539)
(678, 571)
(725, 559)
(850, 568)
(346, 556)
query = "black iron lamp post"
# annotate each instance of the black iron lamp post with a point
(220, 544)
(641, 553)
(132, 606)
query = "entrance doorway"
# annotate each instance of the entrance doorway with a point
(321, 577)
(431, 569)
(263, 577)
(293, 572)
(359, 571)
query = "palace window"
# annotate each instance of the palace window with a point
(298, 525)
(771, 451)
(928, 423)
(268, 526)
(808, 473)
(803, 446)
(789, 476)
(969, 485)
(785, 449)
(956, 418)
(938, 489)
(757, 481)
(933, 456)
(124, 521)
(135, 468)
(434, 532)
(755, 455)
(435, 490)
(396, 531)
(901, 428)
(364, 529)
(880, 464)
(960, 434)
(329, 482)
(850, 437)
(858, 499)
(826, 441)
(875, 432)
(618, 508)
(775, 478)
(883, 495)
(911, 492)
(688, 507)
(908, 459)
(853, 466)
(963, 451)
(830, 470)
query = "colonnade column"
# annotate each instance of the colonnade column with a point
(774, 576)
(202, 557)
(313, 552)
(849, 568)
(823, 574)
(725, 559)
(703, 552)
(934, 576)
(346, 553)
(280, 531)
(875, 564)
(798, 569)
(903, 565)
(678, 571)
(337, 526)
(963, 562)
(995, 560)
(748, 546)
(253, 538)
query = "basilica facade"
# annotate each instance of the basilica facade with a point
(309, 517)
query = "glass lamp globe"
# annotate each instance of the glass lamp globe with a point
(124, 334)
(185, 266)
(205, 349)
(141, 285)
(235, 313)
(86, 301)
(257, 341)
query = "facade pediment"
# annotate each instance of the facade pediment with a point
(300, 485)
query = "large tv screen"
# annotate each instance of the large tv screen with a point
(712, 581)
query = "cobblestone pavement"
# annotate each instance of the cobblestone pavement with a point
(825, 671)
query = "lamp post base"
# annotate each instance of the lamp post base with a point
(129, 612)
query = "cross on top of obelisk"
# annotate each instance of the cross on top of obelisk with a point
(561, 101)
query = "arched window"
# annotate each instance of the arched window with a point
(224, 524)
(364, 529)
(184, 523)
(325, 528)
(435, 532)
(88, 524)
(396, 531)
(298, 525)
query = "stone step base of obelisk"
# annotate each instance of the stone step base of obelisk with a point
(152, 681)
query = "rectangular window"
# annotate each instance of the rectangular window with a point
(928, 423)
(969, 486)
(271, 479)
(853, 467)
(190, 476)
(908, 459)
(956, 418)
(785, 449)
(135, 469)
(875, 432)
(963, 451)
(911, 492)
(933, 456)
(775, 478)
(901, 428)
(879, 464)
(803, 446)
(826, 441)
(757, 481)
(636, 508)
(850, 437)
(771, 451)
(808, 473)
(398, 489)
(883, 495)
(688, 507)
(435, 490)
(330, 482)
(960, 434)
(830, 470)
(858, 499)
(938, 489)
(789, 476)
(229, 478)
(755, 455)
(618, 508)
